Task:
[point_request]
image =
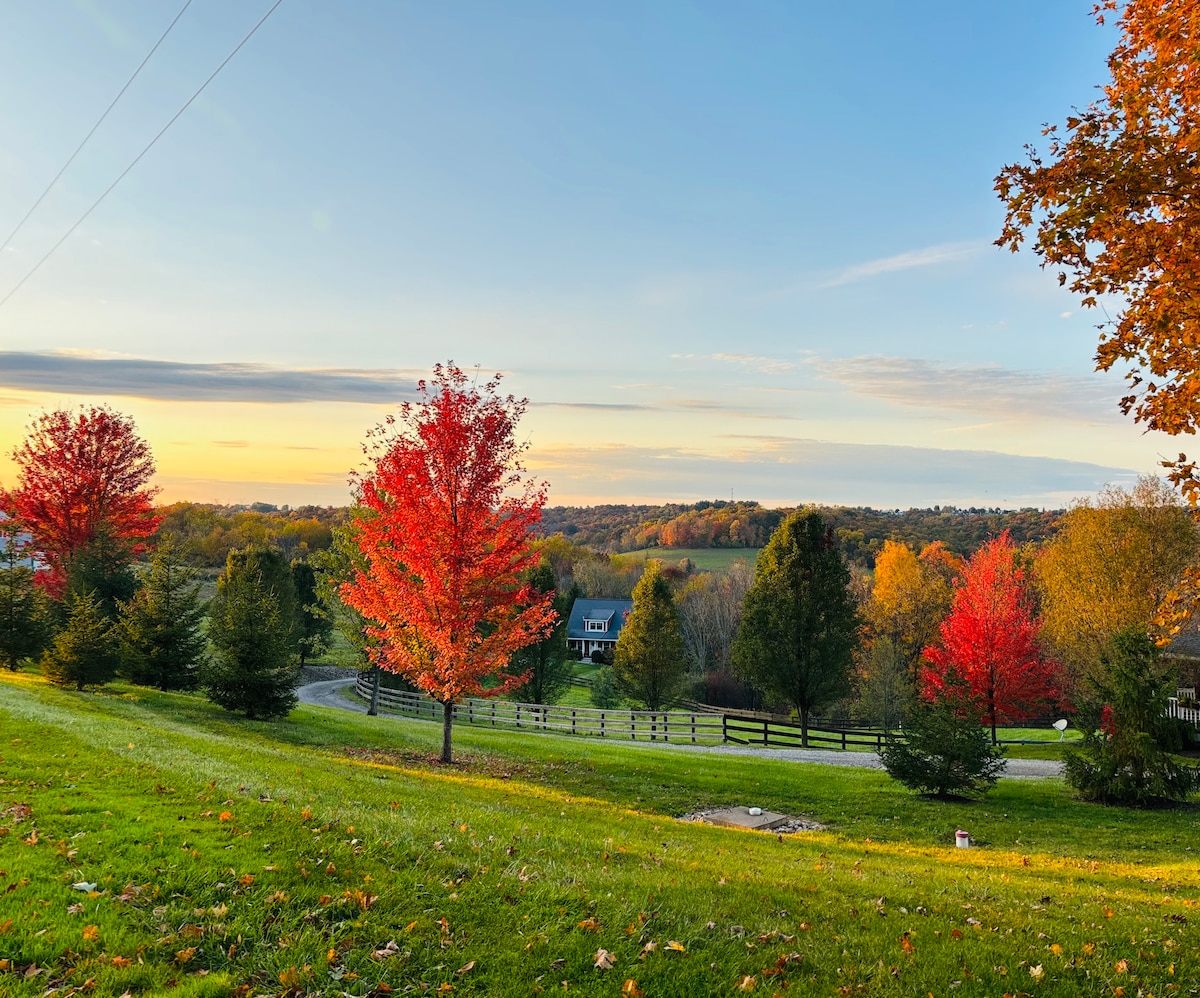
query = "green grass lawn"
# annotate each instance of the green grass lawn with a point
(705, 559)
(327, 854)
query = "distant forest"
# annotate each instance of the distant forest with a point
(210, 532)
(720, 524)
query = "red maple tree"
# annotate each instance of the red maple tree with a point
(80, 473)
(445, 534)
(989, 639)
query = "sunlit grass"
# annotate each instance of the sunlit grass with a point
(279, 856)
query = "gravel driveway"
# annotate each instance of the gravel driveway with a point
(329, 694)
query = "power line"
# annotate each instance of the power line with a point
(99, 121)
(108, 190)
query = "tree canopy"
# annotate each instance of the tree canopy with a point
(445, 534)
(1109, 568)
(799, 623)
(80, 473)
(649, 663)
(990, 640)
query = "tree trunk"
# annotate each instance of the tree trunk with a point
(992, 704)
(373, 710)
(804, 727)
(447, 729)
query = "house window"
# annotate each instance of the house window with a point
(597, 625)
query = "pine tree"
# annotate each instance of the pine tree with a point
(275, 573)
(251, 670)
(24, 613)
(160, 628)
(85, 652)
(1125, 757)
(799, 624)
(945, 750)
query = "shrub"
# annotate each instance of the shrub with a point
(946, 752)
(1125, 757)
(604, 689)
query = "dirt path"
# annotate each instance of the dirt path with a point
(329, 694)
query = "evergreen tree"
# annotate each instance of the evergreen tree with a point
(316, 625)
(945, 750)
(546, 661)
(24, 613)
(102, 568)
(799, 624)
(273, 569)
(251, 670)
(649, 663)
(1125, 757)
(85, 652)
(160, 628)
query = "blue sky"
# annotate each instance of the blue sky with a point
(723, 248)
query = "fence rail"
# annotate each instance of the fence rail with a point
(740, 728)
(646, 725)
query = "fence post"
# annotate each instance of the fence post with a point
(724, 728)
(843, 739)
(572, 720)
(632, 727)
(601, 724)
(470, 711)
(666, 727)
(766, 733)
(518, 715)
(693, 729)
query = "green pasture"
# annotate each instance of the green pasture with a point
(705, 559)
(152, 844)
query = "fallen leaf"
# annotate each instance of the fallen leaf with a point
(631, 990)
(676, 947)
(387, 951)
(590, 925)
(185, 955)
(1121, 966)
(649, 948)
(466, 968)
(604, 960)
(1037, 973)
(747, 983)
(91, 933)
(225, 816)
(120, 961)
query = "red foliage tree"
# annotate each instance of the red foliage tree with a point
(445, 534)
(80, 473)
(989, 638)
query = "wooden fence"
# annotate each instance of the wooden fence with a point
(668, 726)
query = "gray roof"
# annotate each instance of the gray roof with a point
(612, 611)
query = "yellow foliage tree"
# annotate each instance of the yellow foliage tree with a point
(910, 597)
(1110, 567)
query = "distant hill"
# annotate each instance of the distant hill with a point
(722, 524)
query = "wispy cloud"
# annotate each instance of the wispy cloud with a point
(929, 256)
(763, 365)
(790, 470)
(982, 390)
(180, 382)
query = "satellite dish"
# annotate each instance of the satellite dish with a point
(1061, 725)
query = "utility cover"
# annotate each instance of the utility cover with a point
(740, 817)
